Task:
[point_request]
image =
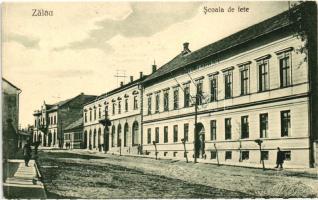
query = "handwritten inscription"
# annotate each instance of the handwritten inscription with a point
(41, 12)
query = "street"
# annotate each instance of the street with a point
(84, 175)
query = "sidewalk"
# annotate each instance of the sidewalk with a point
(21, 184)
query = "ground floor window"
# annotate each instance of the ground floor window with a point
(213, 154)
(287, 155)
(228, 155)
(264, 155)
(245, 155)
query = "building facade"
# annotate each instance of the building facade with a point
(253, 87)
(73, 135)
(123, 108)
(51, 120)
(10, 119)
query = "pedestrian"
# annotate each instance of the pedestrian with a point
(280, 158)
(27, 153)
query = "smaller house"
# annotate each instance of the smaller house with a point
(73, 135)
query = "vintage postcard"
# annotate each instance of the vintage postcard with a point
(163, 100)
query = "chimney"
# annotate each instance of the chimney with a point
(131, 78)
(154, 67)
(121, 84)
(140, 74)
(186, 49)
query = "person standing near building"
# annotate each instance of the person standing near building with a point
(280, 158)
(27, 153)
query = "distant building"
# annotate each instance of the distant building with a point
(123, 107)
(73, 135)
(254, 85)
(51, 120)
(10, 118)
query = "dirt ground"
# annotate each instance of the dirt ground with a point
(85, 175)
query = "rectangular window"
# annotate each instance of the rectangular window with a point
(149, 135)
(228, 84)
(244, 127)
(157, 134)
(244, 72)
(54, 119)
(186, 95)
(126, 105)
(287, 155)
(165, 134)
(175, 98)
(119, 107)
(94, 113)
(213, 89)
(157, 102)
(135, 103)
(285, 123)
(85, 117)
(175, 133)
(90, 115)
(199, 85)
(245, 155)
(213, 155)
(228, 129)
(285, 69)
(264, 155)
(213, 129)
(228, 155)
(263, 80)
(99, 113)
(149, 105)
(186, 132)
(166, 100)
(114, 108)
(263, 118)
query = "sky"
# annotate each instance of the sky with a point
(81, 47)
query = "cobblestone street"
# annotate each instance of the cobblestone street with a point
(85, 175)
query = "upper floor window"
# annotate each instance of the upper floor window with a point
(149, 135)
(165, 134)
(135, 103)
(176, 98)
(114, 108)
(244, 127)
(119, 107)
(186, 95)
(285, 123)
(285, 68)
(166, 100)
(126, 105)
(149, 104)
(94, 113)
(228, 79)
(213, 88)
(175, 133)
(54, 119)
(263, 118)
(213, 129)
(186, 132)
(157, 99)
(263, 75)
(244, 74)
(99, 112)
(85, 117)
(90, 115)
(228, 129)
(157, 135)
(199, 84)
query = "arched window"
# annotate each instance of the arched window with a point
(90, 139)
(119, 135)
(54, 137)
(113, 135)
(135, 133)
(99, 138)
(85, 140)
(126, 129)
(94, 139)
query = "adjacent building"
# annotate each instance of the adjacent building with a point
(52, 119)
(123, 107)
(255, 91)
(10, 118)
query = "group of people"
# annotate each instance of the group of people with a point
(27, 151)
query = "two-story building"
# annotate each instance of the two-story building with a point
(252, 86)
(51, 120)
(123, 107)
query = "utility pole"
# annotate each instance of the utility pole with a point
(195, 126)
(106, 123)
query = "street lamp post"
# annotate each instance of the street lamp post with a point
(156, 152)
(106, 123)
(195, 127)
(185, 150)
(259, 142)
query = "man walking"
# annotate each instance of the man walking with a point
(280, 158)
(27, 153)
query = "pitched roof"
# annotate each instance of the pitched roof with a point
(5, 80)
(277, 22)
(76, 124)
